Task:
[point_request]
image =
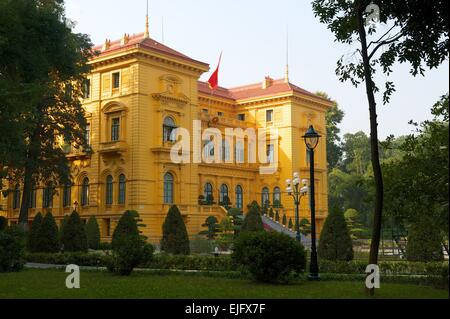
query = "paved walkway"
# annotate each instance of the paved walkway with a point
(306, 241)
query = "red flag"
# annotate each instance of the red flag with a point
(214, 79)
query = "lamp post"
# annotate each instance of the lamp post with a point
(75, 205)
(297, 194)
(311, 140)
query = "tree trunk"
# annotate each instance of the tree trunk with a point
(378, 208)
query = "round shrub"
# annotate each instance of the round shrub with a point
(175, 238)
(12, 249)
(48, 236)
(93, 233)
(335, 240)
(33, 234)
(269, 257)
(130, 248)
(424, 243)
(252, 221)
(74, 235)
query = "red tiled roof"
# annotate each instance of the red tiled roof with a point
(138, 40)
(256, 90)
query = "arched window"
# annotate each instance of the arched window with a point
(226, 155)
(265, 199)
(109, 190)
(85, 192)
(67, 194)
(223, 194)
(239, 197)
(32, 198)
(47, 196)
(168, 130)
(122, 189)
(16, 197)
(277, 196)
(168, 188)
(240, 152)
(208, 193)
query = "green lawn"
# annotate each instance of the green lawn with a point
(51, 284)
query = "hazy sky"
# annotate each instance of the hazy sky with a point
(252, 36)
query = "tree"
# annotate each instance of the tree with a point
(284, 220)
(291, 224)
(335, 241)
(351, 217)
(175, 238)
(48, 236)
(424, 243)
(93, 233)
(41, 78)
(12, 249)
(74, 235)
(212, 227)
(129, 246)
(334, 117)
(277, 216)
(414, 32)
(271, 213)
(33, 234)
(237, 218)
(417, 182)
(305, 227)
(226, 236)
(252, 221)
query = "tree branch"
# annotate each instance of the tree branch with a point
(389, 41)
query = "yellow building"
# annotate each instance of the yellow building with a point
(138, 92)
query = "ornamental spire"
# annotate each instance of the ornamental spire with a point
(146, 33)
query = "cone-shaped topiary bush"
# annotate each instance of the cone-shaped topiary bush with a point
(93, 233)
(63, 224)
(291, 224)
(335, 241)
(130, 248)
(252, 221)
(48, 236)
(175, 238)
(424, 243)
(74, 235)
(33, 234)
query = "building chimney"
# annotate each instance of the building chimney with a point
(268, 81)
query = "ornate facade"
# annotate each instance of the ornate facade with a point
(138, 92)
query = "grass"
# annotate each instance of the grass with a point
(50, 284)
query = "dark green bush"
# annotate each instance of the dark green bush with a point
(33, 234)
(48, 235)
(269, 257)
(3, 223)
(93, 233)
(130, 248)
(74, 235)
(335, 240)
(424, 243)
(104, 246)
(252, 221)
(175, 238)
(12, 249)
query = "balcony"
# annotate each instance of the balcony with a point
(214, 121)
(116, 147)
(77, 153)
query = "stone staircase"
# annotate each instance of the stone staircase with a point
(271, 224)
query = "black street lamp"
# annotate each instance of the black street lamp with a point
(311, 140)
(297, 193)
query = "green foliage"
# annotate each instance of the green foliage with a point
(305, 227)
(93, 233)
(12, 249)
(335, 241)
(226, 237)
(48, 236)
(33, 234)
(74, 235)
(130, 248)
(351, 217)
(3, 223)
(175, 239)
(271, 213)
(237, 218)
(269, 257)
(253, 221)
(277, 216)
(291, 224)
(424, 243)
(212, 227)
(284, 220)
